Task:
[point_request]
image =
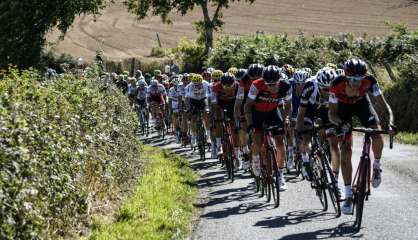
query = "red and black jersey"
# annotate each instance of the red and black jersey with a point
(338, 89)
(267, 101)
(222, 94)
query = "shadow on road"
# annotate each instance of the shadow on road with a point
(343, 230)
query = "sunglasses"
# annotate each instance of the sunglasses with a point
(355, 78)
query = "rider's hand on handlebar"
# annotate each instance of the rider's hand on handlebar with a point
(345, 127)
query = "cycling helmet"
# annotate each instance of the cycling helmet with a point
(325, 76)
(196, 78)
(233, 70)
(255, 70)
(300, 76)
(210, 70)
(241, 73)
(131, 79)
(339, 71)
(216, 75)
(331, 65)
(206, 75)
(147, 76)
(175, 81)
(157, 72)
(308, 70)
(80, 62)
(142, 83)
(126, 73)
(355, 67)
(154, 83)
(271, 74)
(288, 70)
(228, 79)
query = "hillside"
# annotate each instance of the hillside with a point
(121, 36)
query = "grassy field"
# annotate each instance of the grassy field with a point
(161, 206)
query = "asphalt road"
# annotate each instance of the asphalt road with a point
(235, 211)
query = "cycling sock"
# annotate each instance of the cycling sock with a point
(246, 150)
(218, 142)
(348, 191)
(377, 164)
(305, 157)
(236, 151)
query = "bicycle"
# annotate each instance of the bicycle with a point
(143, 120)
(269, 182)
(228, 154)
(361, 182)
(323, 179)
(201, 136)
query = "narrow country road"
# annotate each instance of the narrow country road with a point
(235, 211)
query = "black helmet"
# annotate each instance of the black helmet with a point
(241, 73)
(355, 67)
(227, 79)
(255, 70)
(271, 74)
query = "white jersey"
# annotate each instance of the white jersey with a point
(131, 88)
(173, 96)
(198, 91)
(182, 90)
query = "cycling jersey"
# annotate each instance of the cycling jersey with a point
(220, 94)
(141, 94)
(131, 89)
(174, 95)
(266, 101)
(157, 93)
(197, 91)
(339, 85)
(243, 89)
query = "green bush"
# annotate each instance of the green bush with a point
(402, 95)
(157, 52)
(190, 55)
(65, 146)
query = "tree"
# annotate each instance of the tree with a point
(163, 7)
(25, 23)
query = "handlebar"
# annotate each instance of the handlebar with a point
(376, 131)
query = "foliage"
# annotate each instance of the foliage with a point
(24, 25)
(162, 204)
(407, 138)
(157, 52)
(402, 95)
(65, 146)
(57, 61)
(190, 55)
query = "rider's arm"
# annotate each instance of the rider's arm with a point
(380, 99)
(238, 104)
(333, 114)
(301, 117)
(248, 107)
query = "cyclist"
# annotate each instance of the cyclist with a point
(233, 70)
(157, 96)
(131, 90)
(224, 92)
(298, 81)
(314, 104)
(173, 103)
(141, 97)
(288, 70)
(184, 126)
(216, 141)
(348, 98)
(266, 95)
(197, 101)
(245, 81)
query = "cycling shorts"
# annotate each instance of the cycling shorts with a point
(262, 120)
(362, 109)
(314, 112)
(229, 107)
(197, 106)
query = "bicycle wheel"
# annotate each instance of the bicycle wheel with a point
(201, 143)
(360, 189)
(142, 122)
(319, 184)
(332, 186)
(275, 179)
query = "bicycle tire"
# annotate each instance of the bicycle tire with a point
(360, 191)
(319, 184)
(332, 187)
(201, 143)
(275, 186)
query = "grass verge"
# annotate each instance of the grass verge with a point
(162, 204)
(407, 137)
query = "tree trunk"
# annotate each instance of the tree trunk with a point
(208, 39)
(389, 70)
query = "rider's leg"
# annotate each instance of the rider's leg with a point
(280, 158)
(256, 146)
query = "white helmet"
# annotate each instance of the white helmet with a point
(300, 76)
(325, 76)
(141, 83)
(340, 72)
(80, 61)
(154, 82)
